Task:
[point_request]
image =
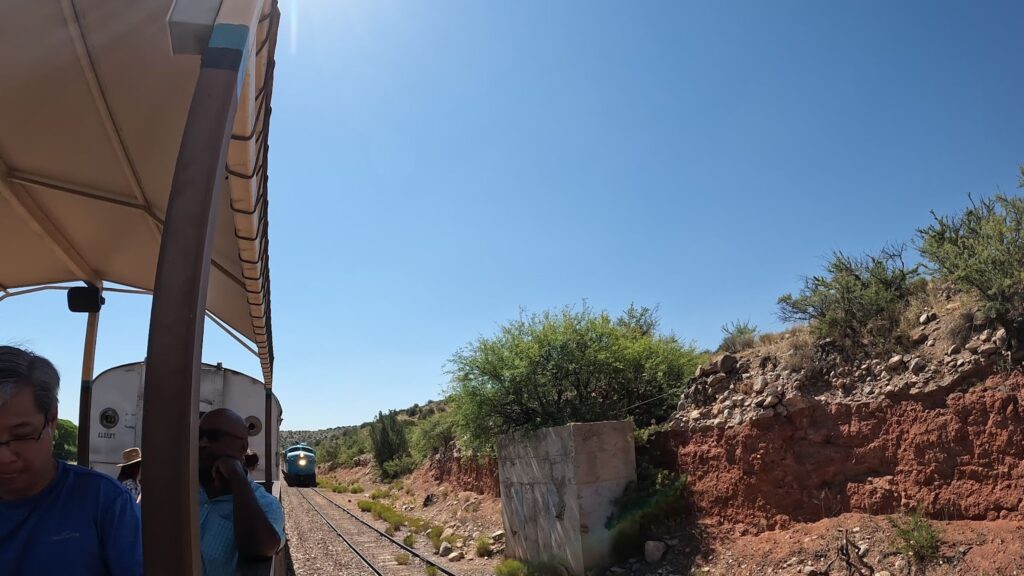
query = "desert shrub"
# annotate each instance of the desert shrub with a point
(981, 250)
(355, 489)
(430, 570)
(394, 518)
(483, 547)
(389, 530)
(858, 301)
(400, 466)
(738, 336)
(432, 435)
(434, 535)
(917, 536)
(510, 567)
(403, 558)
(409, 540)
(566, 366)
(379, 494)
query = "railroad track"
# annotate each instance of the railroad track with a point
(378, 551)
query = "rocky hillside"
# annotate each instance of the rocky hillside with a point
(796, 431)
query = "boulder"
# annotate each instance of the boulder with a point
(954, 350)
(498, 536)
(456, 556)
(894, 363)
(973, 346)
(999, 338)
(726, 363)
(771, 401)
(919, 338)
(716, 380)
(654, 550)
(988, 349)
(928, 318)
(917, 365)
(447, 532)
(445, 549)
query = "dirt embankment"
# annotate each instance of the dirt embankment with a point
(465, 474)
(959, 456)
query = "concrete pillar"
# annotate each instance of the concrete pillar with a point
(558, 487)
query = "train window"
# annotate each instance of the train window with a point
(109, 418)
(254, 425)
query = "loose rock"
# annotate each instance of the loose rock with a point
(654, 550)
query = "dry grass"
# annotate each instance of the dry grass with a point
(794, 347)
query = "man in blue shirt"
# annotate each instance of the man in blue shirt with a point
(55, 518)
(237, 517)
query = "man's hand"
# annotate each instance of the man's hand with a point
(228, 473)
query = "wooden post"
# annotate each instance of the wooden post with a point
(85, 395)
(170, 533)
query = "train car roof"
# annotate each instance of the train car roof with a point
(93, 104)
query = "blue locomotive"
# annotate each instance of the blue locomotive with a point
(300, 465)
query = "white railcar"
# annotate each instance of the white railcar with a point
(117, 413)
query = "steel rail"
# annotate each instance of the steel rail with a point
(398, 543)
(365, 560)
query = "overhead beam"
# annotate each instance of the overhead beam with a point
(40, 221)
(190, 24)
(103, 107)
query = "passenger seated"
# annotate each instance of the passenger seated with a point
(237, 518)
(55, 517)
(252, 460)
(130, 475)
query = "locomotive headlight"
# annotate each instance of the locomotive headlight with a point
(302, 461)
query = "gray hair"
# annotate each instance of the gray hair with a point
(20, 369)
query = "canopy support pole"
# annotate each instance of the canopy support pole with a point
(85, 396)
(170, 534)
(268, 466)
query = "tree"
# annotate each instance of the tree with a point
(982, 251)
(388, 439)
(566, 366)
(859, 301)
(65, 442)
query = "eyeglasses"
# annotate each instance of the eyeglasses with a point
(15, 443)
(215, 434)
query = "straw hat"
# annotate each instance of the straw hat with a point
(131, 456)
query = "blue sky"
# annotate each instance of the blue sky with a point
(436, 166)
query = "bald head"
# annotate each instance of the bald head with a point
(225, 420)
(222, 433)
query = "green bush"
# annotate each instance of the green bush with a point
(400, 466)
(430, 570)
(394, 518)
(379, 494)
(483, 547)
(738, 336)
(402, 559)
(432, 435)
(567, 366)
(858, 302)
(981, 251)
(409, 540)
(510, 567)
(388, 439)
(355, 489)
(917, 536)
